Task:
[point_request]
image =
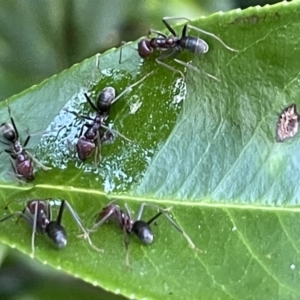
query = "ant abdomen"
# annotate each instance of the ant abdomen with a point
(57, 234)
(8, 132)
(194, 44)
(105, 97)
(143, 231)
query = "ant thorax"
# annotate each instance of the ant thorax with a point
(18, 149)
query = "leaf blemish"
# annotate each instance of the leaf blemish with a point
(287, 124)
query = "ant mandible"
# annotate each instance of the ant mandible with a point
(22, 167)
(38, 215)
(139, 227)
(92, 138)
(173, 45)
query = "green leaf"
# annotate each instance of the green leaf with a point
(206, 148)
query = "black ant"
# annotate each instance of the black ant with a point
(139, 227)
(92, 137)
(22, 167)
(38, 215)
(173, 45)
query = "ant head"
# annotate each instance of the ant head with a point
(8, 132)
(57, 234)
(144, 48)
(104, 99)
(143, 231)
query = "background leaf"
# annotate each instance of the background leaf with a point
(39, 39)
(212, 157)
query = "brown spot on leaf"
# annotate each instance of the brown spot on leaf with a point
(287, 124)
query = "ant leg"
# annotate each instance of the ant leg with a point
(16, 177)
(169, 26)
(59, 130)
(121, 47)
(95, 69)
(13, 165)
(126, 244)
(28, 220)
(88, 99)
(121, 50)
(199, 30)
(129, 88)
(105, 218)
(117, 133)
(157, 32)
(65, 204)
(19, 214)
(106, 136)
(60, 212)
(49, 212)
(11, 215)
(97, 150)
(78, 115)
(213, 36)
(34, 229)
(87, 125)
(140, 211)
(175, 225)
(128, 211)
(5, 143)
(97, 60)
(23, 213)
(71, 148)
(37, 162)
(191, 244)
(29, 136)
(126, 240)
(195, 69)
(169, 67)
(26, 141)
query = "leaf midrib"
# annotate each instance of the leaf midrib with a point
(197, 203)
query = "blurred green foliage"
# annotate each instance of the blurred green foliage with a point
(41, 38)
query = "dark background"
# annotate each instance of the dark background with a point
(40, 38)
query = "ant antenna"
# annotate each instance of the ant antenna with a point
(129, 88)
(189, 66)
(202, 31)
(79, 224)
(173, 223)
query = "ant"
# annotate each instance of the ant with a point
(22, 167)
(172, 45)
(38, 215)
(139, 227)
(92, 138)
